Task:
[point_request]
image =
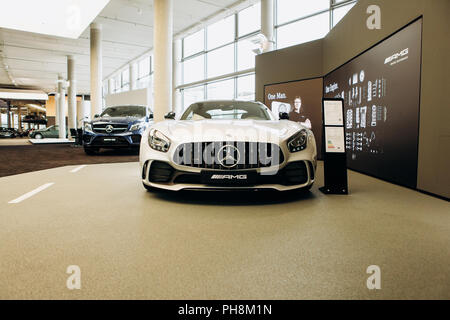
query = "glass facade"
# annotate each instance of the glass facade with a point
(224, 62)
(218, 61)
(300, 21)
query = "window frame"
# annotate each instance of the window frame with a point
(332, 6)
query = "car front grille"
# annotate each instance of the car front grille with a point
(228, 155)
(110, 128)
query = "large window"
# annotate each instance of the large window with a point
(221, 33)
(249, 20)
(245, 54)
(299, 21)
(144, 72)
(221, 61)
(126, 79)
(118, 83)
(246, 88)
(194, 43)
(192, 95)
(220, 58)
(194, 69)
(218, 61)
(220, 90)
(302, 31)
(289, 10)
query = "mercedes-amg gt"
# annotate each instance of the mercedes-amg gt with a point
(228, 145)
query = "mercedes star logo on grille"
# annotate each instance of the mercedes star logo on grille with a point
(230, 158)
(109, 128)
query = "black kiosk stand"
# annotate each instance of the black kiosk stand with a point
(335, 158)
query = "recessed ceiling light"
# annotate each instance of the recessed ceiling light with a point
(62, 18)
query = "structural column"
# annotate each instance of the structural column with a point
(80, 112)
(19, 118)
(57, 106)
(62, 107)
(163, 33)
(176, 95)
(133, 76)
(110, 86)
(96, 69)
(8, 114)
(267, 24)
(71, 93)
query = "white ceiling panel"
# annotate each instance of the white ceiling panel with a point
(35, 60)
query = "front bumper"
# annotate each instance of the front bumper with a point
(122, 140)
(294, 175)
(178, 177)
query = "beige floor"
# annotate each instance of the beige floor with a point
(15, 142)
(131, 244)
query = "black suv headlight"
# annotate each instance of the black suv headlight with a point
(88, 127)
(298, 141)
(137, 126)
(158, 141)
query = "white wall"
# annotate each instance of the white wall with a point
(140, 96)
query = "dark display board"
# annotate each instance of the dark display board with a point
(381, 92)
(302, 100)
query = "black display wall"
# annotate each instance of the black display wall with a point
(381, 90)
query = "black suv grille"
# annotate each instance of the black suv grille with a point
(110, 128)
(228, 155)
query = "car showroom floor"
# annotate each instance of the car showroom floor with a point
(133, 244)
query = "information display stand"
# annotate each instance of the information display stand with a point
(334, 154)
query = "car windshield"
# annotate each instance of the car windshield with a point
(227, 110)
(124, 111)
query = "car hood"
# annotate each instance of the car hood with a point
(228, 130)
(117, 120)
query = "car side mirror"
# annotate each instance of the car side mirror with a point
(151, 116)
(170, 116)
(96, 116)
(283, 116)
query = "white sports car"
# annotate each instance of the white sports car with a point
(223, 145)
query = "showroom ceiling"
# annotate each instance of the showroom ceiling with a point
(31, 60)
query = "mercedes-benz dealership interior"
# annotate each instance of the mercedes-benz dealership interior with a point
(232, 150)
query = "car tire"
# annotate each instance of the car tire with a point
(90, 151)
(38, 136)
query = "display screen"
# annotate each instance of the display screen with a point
(381, 92)
(302, 100)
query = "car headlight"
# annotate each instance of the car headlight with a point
(137, 126)
(298, 141)
(88, 127)
(158, 141)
